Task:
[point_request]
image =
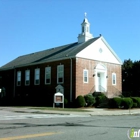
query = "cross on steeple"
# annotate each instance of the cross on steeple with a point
(85, 14)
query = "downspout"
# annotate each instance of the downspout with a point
(14, 82)
(70, 79)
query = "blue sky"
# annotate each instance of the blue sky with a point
(28, 26)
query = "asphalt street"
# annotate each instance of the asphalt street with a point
(66, 127)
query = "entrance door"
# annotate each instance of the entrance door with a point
(100, 78)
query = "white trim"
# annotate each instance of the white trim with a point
(114, 80)
(27, 74)
(112, 51)
(85, 75)
(35, 78)
(48, 72)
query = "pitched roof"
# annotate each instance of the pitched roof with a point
(62, 52)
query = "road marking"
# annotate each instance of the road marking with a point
(30, 136)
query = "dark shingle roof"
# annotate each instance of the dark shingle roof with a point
(61, 52)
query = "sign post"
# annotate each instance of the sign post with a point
(58, 98)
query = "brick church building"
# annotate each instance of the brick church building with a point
(86, 66)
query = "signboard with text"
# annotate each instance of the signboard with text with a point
(58, 98)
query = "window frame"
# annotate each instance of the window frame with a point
(60, 72)
(35, 78)
(18, 78)
(85, 76)
(114, 79)
(27, 74)
(48, 72)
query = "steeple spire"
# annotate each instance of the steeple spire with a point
(85, 34)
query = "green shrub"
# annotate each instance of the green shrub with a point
(101, 101)
(127, 103)
(80, 101)
(115, 102)
(89, 99)
(135, 105)
(65, 102)
(136, 100)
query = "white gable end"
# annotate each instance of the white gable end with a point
(101, 51)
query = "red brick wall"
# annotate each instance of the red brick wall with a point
(85, 88)
(47, 91)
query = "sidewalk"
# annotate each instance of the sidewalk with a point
(90, 111)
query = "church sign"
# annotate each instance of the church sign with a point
(58, 98)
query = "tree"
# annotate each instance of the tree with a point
(131, 77)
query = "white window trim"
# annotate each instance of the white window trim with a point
(35, 77)
(18, 72)
(114, 75)
(46, 74)
(85, 70)
(26, 77)
(59, 72)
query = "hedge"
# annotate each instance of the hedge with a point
(101, 101)
(136, 101)
(115, 102)
(80, 101)
(127, 103)
(89, 99)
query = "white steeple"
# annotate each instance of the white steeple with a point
(85, 34)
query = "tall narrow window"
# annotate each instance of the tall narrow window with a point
(27, 77)
(37, 76)
(48, 75)
(60, 74)
(87, 29)
(113, 78)
(82, 29)
(85, 76)
(18, 78)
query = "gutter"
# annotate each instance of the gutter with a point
(14, 82)
(70, 79)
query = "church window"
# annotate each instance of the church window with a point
(37, 76)
(18, 78)
(27, 77)
(60, 74)
(85, 76)
(48, 75)
(113, 78)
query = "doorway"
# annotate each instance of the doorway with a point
(100, 78)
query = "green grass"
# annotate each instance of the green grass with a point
(53, 109)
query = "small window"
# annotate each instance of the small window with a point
(82, 29)
(87, 29)
(37, 76)
(18, 78)
(113, 78)
(60, 74)
(48, 75)
(85, 76)
(27, 77)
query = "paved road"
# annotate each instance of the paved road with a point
(66, 127)
(6, 115)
